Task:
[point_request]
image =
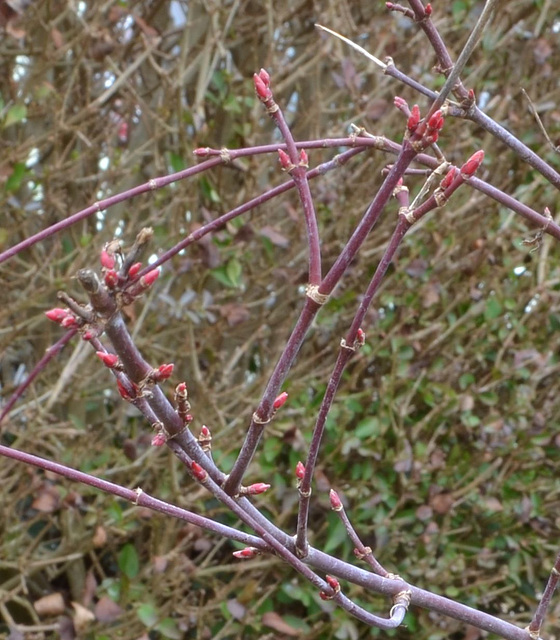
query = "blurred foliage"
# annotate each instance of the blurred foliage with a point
(442, 438)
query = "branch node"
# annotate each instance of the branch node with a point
(152, 184)
(258, 420)
(312, 291)
(225, 155)
(345, 345)
(139, 493)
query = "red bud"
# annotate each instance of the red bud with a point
(472, 164)
(257, 488)
(336, 503)
(361, 337)
(149, 278)
(125, 395)
(88, 335)
(333, 583)
(428, 10)
(400, 103)
(435, 123)
(300, 470)
(108, 359)
(111, 279)
(202, 152)
(134, 269)
(198, 472)
(449, 177)
(181, 389)
(280, 400)
(414, 118)
(247, 553)
(163, 372)
(303, 158)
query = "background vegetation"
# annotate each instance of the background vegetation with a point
(442, 440)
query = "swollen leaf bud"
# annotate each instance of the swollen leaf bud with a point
(336, 503)
(134, 269)
(300, 470)
(159, 440)
(285, 161)
(265, 77)
(261, 87)
(414, 118)
(149, 278)
(247, 553)
(280, 400)
(449, 177)
(198, 472)
(57, 315)
(472, 164)
(163, 372)
(110, 360)
(257, 488)
(107, 259)
(111, 278)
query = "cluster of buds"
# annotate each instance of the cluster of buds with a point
(424, 133)
(183, 404)
(454, 178)
(143, 284)
(262, 85)
(334, 585)
(163, 372)
(287, 165)
(64, 318)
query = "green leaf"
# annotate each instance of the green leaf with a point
(177, 162)
(147, 614)
(16, 113)
(128, 561)
(13, 183)
(234, 270)
(493, 309)
(169, 629)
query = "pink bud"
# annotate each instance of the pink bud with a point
(428, 10)
(149, 278)
(300, 470)
(163, 372)
(198, 472)
(285, 161)
(201, 152)
(57, 315)
(473, 163)
(280, 400)
(69, 322)
(181, 389)
(88, 335)
(263, 92)
(108, 359)
(361, 337)
(336, 503)
(449, 177)
(111, 279)
(107, 260)
(122, 132)
(159, 440)
(134, 269)
(205, 432)
(265, 77)
(303, 158)
(435, 123)
(400, 103)
(247, 553)
(257, 488)
(188, 418)
(471, 96)
(322, 594)
(414, 118)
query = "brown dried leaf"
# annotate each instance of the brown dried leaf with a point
(107, 611)
(48, 499)
(82, 617)
(234, 313)
(99, 537)
(51, 605)
(274, 621)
